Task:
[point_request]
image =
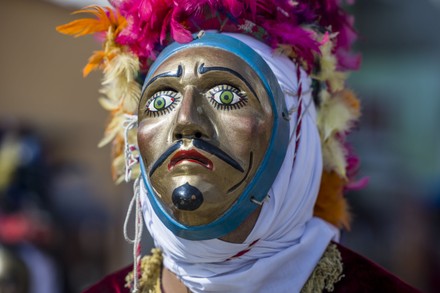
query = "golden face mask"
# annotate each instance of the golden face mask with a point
(209, 134)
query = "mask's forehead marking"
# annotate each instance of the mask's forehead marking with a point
(177, 73)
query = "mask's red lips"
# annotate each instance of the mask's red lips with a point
(191, 156)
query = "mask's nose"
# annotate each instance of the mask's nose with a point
(191, 119)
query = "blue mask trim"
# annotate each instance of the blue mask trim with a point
(266, 173)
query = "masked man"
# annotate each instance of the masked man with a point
(236, 141)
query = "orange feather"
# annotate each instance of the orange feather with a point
(351, 100)
(331, 205)
(94, 62)
(105, 18)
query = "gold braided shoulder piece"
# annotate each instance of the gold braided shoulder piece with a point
(151, 266)
(327, 272)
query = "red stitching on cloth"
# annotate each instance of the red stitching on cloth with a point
(243, 252)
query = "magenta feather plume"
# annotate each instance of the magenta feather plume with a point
(300, 39)
(235, 7)
(152, 24)
(178, 32)
(353, 164)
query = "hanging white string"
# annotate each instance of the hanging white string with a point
(131, 159)
(131, 150)
(137, 234)
(134, 200)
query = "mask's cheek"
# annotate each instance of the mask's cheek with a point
(244, 134)
(152, 139)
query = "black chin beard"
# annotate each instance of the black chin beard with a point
(187, 197)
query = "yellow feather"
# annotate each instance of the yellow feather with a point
(118, 167)
(124, 65)
(328, 73)
(131, 102)
(112, 129)
(119, 83)
(108, 104)
(333, 153)
(337, 114)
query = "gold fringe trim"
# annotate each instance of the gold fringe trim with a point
(151, 267)
(327, 272)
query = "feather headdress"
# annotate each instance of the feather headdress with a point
(316, 34)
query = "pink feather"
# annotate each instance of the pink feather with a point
(178, 32)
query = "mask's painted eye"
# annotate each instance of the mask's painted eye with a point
(226, 97)
(162, 102)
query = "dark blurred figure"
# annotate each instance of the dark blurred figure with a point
(49, 219)
(26, 223)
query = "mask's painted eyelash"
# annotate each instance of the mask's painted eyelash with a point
(170, 94)
(226, 87)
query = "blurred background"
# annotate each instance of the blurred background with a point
(61, 216)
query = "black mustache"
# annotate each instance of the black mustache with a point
(213, 150)
(165, 155)
(200, 144)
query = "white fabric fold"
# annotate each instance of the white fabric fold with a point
(290, 240)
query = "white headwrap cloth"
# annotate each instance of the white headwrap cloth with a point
(290, 240)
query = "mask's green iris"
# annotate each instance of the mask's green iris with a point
(226, 97)
(159, 103)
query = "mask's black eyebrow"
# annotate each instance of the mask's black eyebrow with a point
(203, 69)
(177, 73)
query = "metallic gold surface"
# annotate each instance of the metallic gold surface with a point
(204, 126)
